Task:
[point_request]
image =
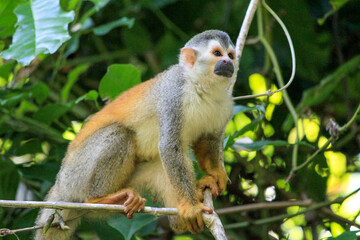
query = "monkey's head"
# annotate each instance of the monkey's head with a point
(210, 53)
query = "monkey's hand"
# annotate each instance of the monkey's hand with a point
(216, 181)
(207, 182)
(191, 215)
(132, 201)
(220, 177)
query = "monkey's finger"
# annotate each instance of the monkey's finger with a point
(132, 204)
(196, 226)
(206, 209)
(200, 222)
(137, 206)
(129, 216)
(142, 204)
(130, 196)
(191, 226)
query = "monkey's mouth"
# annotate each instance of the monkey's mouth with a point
(224, 73)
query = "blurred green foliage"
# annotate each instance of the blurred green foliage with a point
(56, 72)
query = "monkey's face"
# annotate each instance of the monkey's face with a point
(221, 59)
(213, 61)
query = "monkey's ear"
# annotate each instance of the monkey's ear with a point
(188, 57)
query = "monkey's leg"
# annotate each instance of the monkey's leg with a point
(98, 167)
(129, 198)
(151, 177)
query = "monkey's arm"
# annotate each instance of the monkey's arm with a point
(178, 166)
(209, 153)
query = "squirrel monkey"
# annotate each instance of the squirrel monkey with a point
(139, 143)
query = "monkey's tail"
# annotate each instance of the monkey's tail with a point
(71, 218)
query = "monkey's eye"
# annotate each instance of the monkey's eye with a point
(217, 53)
(231, 56)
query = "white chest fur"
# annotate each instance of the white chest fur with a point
(205, 110)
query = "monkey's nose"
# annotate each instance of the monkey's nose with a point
(224, 68)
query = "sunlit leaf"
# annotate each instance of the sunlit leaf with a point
(42, 28)
(269, 111)
(336, 162)
(276, 98)
(257, 84)
(268, 130)
(322, 141)
(118, 78)
(312, 129)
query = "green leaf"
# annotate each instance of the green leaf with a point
(92, 95)
(128, 227)
(104, 29)
(42, 28)
(348, 235)
(72, 78)
(69, 5)
(7, 17)
(336, 5)
(249, 127)
(50, 112)
(9, 179)
(137, 39)
(31, 146)
(11, 99)
(255, 146)
(37, 171)
(6, 69)
(118, 78)
(99, 4)
(242, 108)
(40, 92)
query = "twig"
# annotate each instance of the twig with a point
(293, 59)
(312, 157)
(336, 217)
(287, 216)
(240, 41)
(212, 221)
(83, 206)
(259, 206)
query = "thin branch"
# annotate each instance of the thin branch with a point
(212, 221)
(259, 206)
(287, 216)
(338, 218)
(240, 41)
(83, 206)
(293, 59)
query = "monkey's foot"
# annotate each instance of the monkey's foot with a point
(132, 201)
(191, 215)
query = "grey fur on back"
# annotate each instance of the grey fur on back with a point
(204, 37)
